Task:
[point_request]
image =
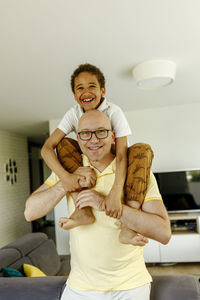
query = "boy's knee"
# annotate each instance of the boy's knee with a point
(140, 147)
(69, 154)
(140, 151)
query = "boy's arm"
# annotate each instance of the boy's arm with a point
(113, 200)
(69, 181)
(43, 200)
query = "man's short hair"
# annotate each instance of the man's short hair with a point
(90, 69)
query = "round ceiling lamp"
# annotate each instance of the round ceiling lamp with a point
(154, 74)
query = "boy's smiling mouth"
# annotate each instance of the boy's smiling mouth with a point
(87, 100)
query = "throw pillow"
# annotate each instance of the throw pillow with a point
(32, 271)
(10, 272)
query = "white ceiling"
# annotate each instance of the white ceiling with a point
(43, 41)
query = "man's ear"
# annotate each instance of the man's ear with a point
(77, 137)
(113, 137)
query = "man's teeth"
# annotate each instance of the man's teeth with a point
(94, 148)
(87, 100)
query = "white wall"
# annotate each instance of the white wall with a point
(173, 133)
(12, 197)
(62, 236)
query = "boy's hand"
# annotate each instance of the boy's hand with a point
(113, 205)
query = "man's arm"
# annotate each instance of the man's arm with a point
(152, 220)
(43, 200)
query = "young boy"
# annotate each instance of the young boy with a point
(88, 87)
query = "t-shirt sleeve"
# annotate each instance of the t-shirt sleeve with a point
(67, 124)
(153, 192)
(119, 123)
(52, 179)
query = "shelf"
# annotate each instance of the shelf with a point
(184, 232)
(184, 225)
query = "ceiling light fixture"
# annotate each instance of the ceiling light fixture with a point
(154, 74)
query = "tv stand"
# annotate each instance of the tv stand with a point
(184, 224)
(184, 245)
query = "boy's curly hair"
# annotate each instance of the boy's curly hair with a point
(90, 69)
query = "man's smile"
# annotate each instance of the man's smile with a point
(94, 148)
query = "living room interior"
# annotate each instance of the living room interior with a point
(42, 42)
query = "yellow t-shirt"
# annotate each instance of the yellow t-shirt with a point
(98, 260)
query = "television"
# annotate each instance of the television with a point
(180, 190)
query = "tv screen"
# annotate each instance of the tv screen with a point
(180, 190)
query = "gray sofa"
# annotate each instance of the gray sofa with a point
(38, 250)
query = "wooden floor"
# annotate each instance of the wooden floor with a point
(179, 268)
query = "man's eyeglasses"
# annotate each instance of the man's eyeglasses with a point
(87, 135)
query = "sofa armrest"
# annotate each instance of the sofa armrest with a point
(179, 287)
(31, 288)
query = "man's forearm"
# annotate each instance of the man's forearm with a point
(42, 201)
(148, 224)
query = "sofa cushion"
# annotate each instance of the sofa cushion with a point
(65, 264)
(18, 265)
(46, 258)
(26, 243)
(32, 271)
(8, 256)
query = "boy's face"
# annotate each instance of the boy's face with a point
(87, 91)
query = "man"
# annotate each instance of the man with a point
(102, 267)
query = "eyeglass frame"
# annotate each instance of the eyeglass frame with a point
(93, 132)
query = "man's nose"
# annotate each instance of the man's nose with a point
(94, 138)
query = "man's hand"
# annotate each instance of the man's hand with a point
(128, 236)
(89, 179)
(113, 205)
(139, 240)
(70, 182)
(90, 198)
(81, 178)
